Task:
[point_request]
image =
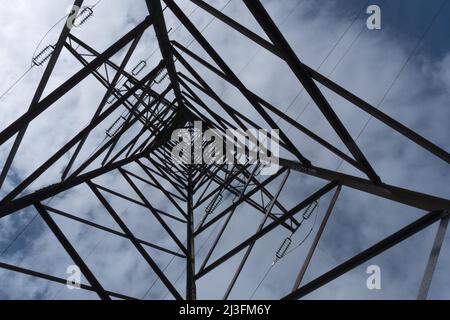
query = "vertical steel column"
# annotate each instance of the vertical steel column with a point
(308, 258)
(432, 260)
(250, 247)
(190, 256)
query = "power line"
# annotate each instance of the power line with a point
(97, 244)
(258, 51)
(156, 280)
(335, 66)
(35, 50)
(201, 247)
(289, 252)
(15, 83)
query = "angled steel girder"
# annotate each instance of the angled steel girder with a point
(241, 87)
(135, 242)
(156, 12)
(38, 94)
(187, 188)
(72, 252)
(403, 234)
(408, 197)
(56, 94)
(103, 103)
(272, 31)
(25, 183)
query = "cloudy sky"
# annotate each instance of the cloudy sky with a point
(403, 69)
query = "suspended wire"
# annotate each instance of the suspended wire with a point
(262, 280)
(307, 235)
(329, 75)
(408, 59)
(30, 222)
(157, 278)
(45, 35)
(412, 53)
(179, 25)
(326, 58)
(95, 4)
(18, 235)
(289, 252)
(36, 49)
(215, 228)
(96, 246)
(252, 58)
(58, 22)
(125, 111)
(197, 252)
(333, 48)
(15, 83)
(209, 23)
(145, 60)
(157, 47)
(323, 61)
(26, 226)
(172, 32)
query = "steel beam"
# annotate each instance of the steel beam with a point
(159, 24)
(39, 91)
(191, 291)
(400, 195)
(241, 87)
(367, 254)
(103, 102)
(252, 244)
(311, 250)
(135, 242)
(277, 38)
(358, 102)
(72, 252)
(109, 230)
(267, 229)
(58, 280)
(55, 95)
(433, 259)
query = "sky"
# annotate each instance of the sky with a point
(402, 69)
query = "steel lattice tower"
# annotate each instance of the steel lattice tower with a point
(194, 191)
